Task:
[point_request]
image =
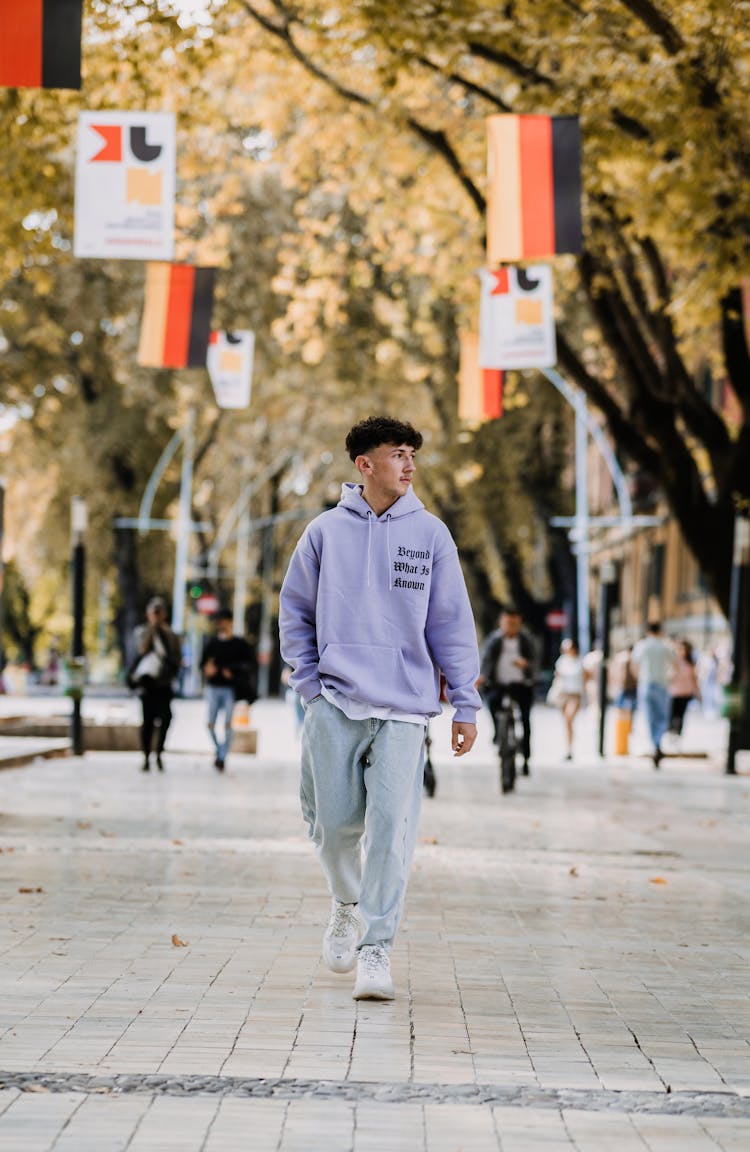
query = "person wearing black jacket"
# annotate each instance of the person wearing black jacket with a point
(507, 662)
(229, 670)
(158, 660)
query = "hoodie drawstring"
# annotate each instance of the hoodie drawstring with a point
(370, 518)
(369, 545)
(388, 551)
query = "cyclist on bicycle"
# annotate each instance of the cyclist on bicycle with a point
(507, 668)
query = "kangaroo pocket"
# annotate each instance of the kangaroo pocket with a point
(369, 672)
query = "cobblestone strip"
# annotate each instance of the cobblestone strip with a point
(709, 1104)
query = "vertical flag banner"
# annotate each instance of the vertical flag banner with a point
(534, 193)
(480, 390)
(230, 366)
(176, 316)
(125, 185)
(40, 43)
(516, 318)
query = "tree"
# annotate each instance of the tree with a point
(659, 88)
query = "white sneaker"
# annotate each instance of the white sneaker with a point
(373, 974)
(341, 937)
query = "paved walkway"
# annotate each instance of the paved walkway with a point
(571, 973)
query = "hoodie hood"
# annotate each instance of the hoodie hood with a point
(353, 500)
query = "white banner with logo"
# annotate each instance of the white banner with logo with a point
(516, 318)
(230, 366)
(125, 185)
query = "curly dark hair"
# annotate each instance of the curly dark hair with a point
(376, 430)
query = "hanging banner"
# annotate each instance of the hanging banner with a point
(516, 318)
(534, 193)
(480, 390)
(125, 185)
(230, 366)
(176, 316)
(40, 43)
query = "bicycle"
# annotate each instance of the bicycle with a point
(507, 717)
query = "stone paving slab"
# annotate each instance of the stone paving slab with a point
(18, 751)
(571, 971)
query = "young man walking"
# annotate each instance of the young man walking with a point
(373, 608)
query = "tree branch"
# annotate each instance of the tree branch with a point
(435, 138)
(282, 32)
(736, 353)
(469, 85)
(505, 60)
(657, 23)
(619, 425)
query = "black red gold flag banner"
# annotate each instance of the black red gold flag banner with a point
(40, 43)
(480, 390)
(176, 316)
(534, 194)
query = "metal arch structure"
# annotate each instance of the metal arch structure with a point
(579, 526)
(577, 400)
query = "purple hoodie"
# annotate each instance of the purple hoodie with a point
(376, 606)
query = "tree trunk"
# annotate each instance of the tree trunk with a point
(128, 584)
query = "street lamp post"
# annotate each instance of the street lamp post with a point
(739, 691)
(78, 524)
(607, 578)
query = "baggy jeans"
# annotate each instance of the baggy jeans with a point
(363, 779)
(656, 705)
(220, 699)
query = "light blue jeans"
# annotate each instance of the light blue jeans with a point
(220, 699)
(361, 788)
(656, 705)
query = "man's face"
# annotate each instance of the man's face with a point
(155, 616)
(510, 623)
(224, 627)
(388, 470)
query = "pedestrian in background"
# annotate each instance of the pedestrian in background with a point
(569, 678)
(708, 680)
(624, 680)
(683, 685)
(373, 607)
(507, 667)
(159, 654)
(653, 657)
(228, 665)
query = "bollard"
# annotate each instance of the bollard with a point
(241, 715)
(623, 725)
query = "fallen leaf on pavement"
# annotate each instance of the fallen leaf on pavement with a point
(572, 872)
(177, 942)
(177, 842)
(658, 880)
(429, 840)
(104, 832)
(30, 889)
(83, 824)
